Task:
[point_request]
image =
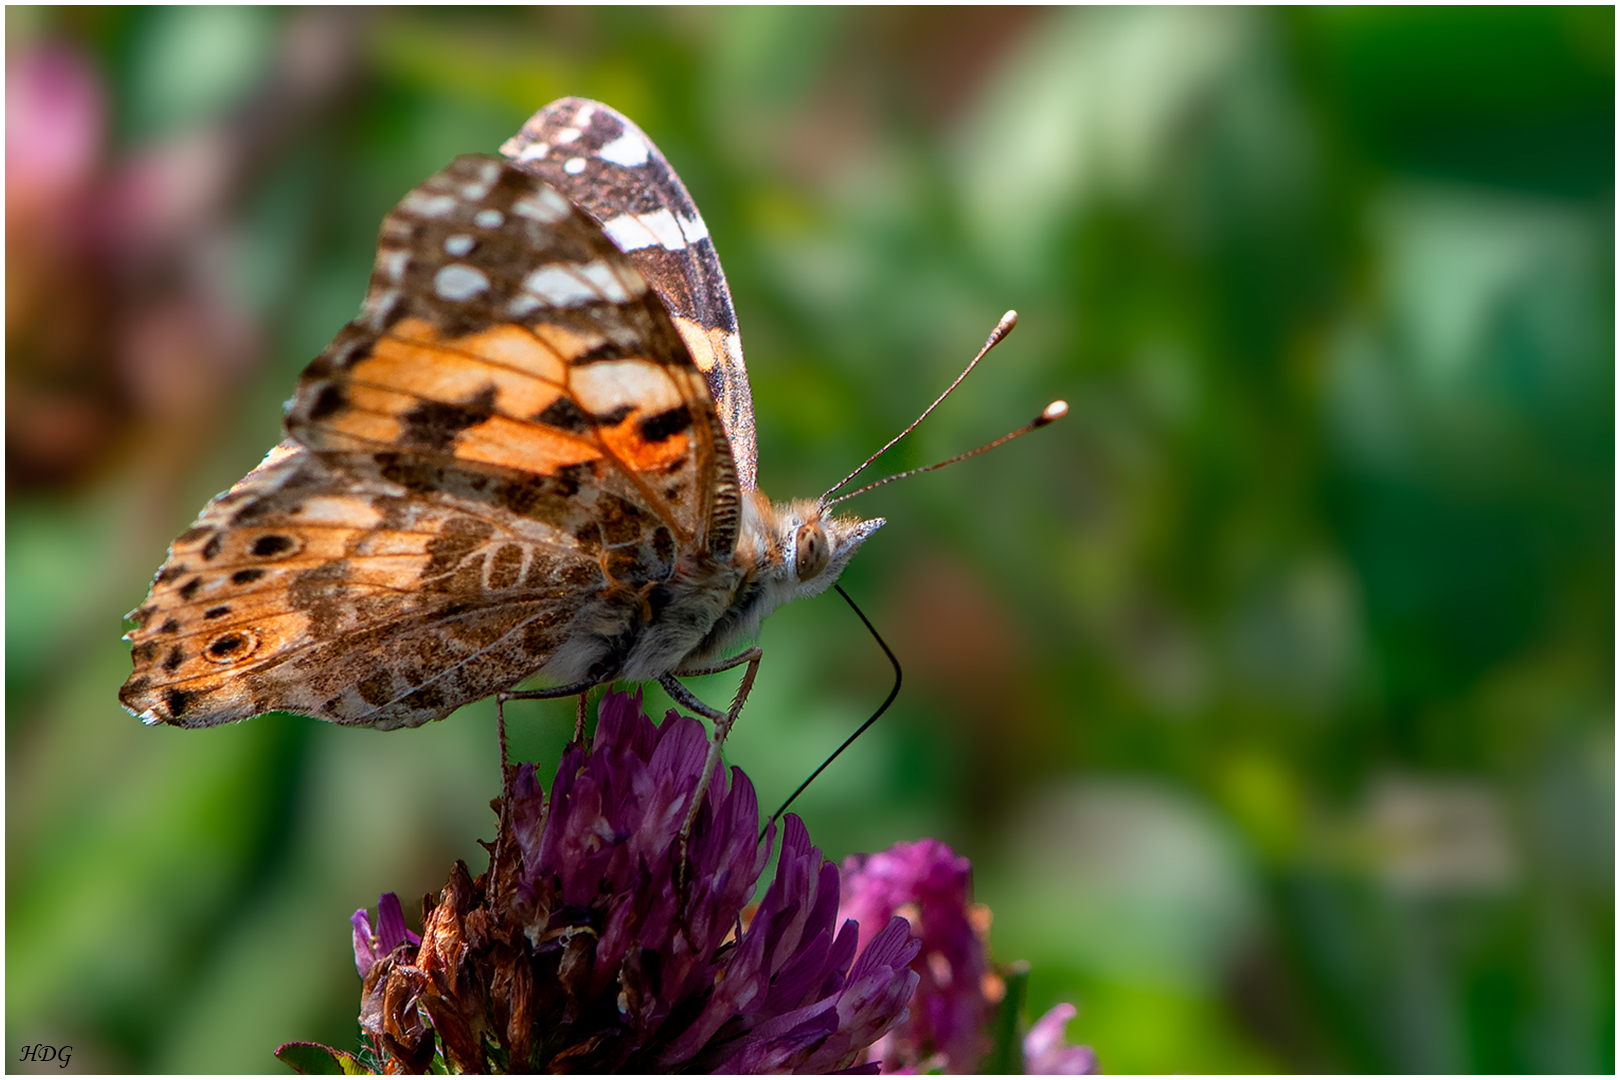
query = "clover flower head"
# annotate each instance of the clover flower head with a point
(598, 941)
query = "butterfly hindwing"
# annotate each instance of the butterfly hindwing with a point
(607, 166)
(307, 589)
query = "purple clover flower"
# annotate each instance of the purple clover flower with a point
(390, 934)
(948, 1029)
(593, 945)
(931, 886)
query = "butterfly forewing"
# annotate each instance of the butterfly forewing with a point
(504, 334)
(606, 165)
(506, 450)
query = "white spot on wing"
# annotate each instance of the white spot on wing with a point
(629, 150)
(607, 385)
(559, 285)
(632, 232)
(534, 151)
(568, 134)
(627, 233)
(425, 205)
(633, 280)
(489, 219)
(377, 310)
(693, 228)
(459, 245)
(489, 171)
(391, 263)
(474, 192)
(544, 206)
(574, 166)
(459, 282)
(571, 284)
(601, 275)
(522, 304)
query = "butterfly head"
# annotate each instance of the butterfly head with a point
(801, 548)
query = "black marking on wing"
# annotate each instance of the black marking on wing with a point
(663, 425)
(435, 424)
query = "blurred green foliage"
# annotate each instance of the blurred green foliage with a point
(1271, 693)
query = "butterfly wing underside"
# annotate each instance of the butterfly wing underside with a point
(488, 467)
(607, 166)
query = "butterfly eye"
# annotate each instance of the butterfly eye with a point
(812, 551)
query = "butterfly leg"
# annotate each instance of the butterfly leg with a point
(722, 721)
(500, 729)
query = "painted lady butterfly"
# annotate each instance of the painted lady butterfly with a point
(532, 453)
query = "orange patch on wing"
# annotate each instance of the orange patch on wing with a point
(625, 441)
(569, 344)
(426, 371)
(518, 445)
(367, 417)
(709, 347)
(210, 650)
(414, 328)
(267, 616)
(515, 347)
(446, 373)
(248, 608)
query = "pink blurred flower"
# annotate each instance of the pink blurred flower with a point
(932, 887)
(1048, 1053)
(957, 993)
(55, 122)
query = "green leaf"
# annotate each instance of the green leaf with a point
(1006, 1055)
(313, 1059)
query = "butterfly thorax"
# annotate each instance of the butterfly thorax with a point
(707, 608)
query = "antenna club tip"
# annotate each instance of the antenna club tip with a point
(1003, 328)
(1055, 411)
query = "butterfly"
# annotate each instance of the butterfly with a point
(532, 453)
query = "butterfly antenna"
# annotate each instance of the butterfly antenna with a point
(1052, 412)
(1003, 328)
(894, 693)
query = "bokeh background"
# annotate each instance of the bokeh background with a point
(1271, 693)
